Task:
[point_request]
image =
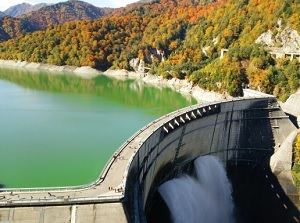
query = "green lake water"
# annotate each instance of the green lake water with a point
(60, 130)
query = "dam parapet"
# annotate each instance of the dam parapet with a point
(236, 131)
(239, 131)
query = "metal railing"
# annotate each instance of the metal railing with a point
(191, 112)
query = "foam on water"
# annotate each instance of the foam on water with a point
(205, 198)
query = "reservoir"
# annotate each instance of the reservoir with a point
(58, 129)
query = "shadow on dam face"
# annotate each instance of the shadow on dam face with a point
(257, 196)
(243, 134)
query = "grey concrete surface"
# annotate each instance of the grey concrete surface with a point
(110, 212)
(292, 106)
(241, 130)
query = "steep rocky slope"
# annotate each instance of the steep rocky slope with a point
(2, 14)
(23, 8)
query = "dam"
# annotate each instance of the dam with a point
(252, 137)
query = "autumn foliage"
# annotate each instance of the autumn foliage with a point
(189, 33)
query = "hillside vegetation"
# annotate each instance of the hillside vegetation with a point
(175, 38)
(296, 162)
(72, 10)
(11, 27)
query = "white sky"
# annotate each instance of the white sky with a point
(5, 4)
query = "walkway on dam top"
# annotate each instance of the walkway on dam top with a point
(111, 183)
(249, 93)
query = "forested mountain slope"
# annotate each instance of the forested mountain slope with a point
(60, 13)
(177, 39)
(71, 10)
(11, 27)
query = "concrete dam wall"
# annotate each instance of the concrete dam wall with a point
(238, 132)
(292, 107)
(247, 135)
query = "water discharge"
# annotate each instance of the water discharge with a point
(205, 198)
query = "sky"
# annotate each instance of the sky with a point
(5, 4)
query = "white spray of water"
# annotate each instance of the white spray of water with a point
(204, 199)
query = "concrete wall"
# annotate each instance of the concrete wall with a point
(292, 106)
(235, 131)
(96, 213)
(239, 131)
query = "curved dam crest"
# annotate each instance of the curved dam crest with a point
(239, 132)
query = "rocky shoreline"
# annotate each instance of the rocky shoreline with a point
(182, 86)
(85, 72)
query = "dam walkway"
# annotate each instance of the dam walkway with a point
(103, 200)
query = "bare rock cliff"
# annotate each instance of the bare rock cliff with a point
(286, 40)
